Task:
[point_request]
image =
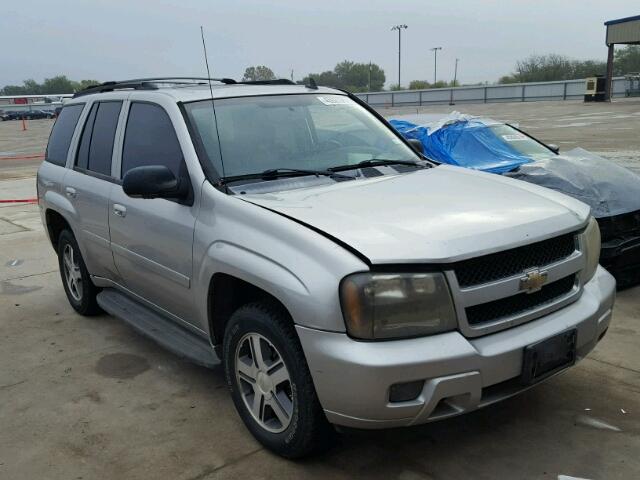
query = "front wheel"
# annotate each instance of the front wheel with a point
(270, 382)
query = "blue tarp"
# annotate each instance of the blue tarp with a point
(469, 143)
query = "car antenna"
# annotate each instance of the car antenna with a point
(206, 62)
(312, 84)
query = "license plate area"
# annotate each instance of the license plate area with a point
(543, 359)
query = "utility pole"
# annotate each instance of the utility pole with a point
(455, 81)
(455, 72)
(292, 74)
(369, 76)
(399, 28)
(435, 63)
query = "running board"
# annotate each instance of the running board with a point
(160, 329)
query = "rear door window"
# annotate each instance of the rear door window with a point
(96, 144)
(61, 134)
(150, 139)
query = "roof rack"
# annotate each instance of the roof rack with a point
(153, 82)
(277, 81)
(149, 84)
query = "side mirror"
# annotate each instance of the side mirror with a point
(154, 181)
(416, 145)
(554, 148)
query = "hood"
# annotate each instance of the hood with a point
(438, 215)
(607, 188)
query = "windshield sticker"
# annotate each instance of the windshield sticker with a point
(514, 137)
(337, 100)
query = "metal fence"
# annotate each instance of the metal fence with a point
(515, 92)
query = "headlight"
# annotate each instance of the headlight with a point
(380, 305)
(591, 246)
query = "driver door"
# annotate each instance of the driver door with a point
(152, 239)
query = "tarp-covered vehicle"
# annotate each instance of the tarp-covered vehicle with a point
(613, 192)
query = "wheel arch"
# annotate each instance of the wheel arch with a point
(226, 294)
(56, 223)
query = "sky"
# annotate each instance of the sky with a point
(115, 39)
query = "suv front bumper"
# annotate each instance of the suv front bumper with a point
(353, 378)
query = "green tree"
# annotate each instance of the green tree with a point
(53, 85)
(627, 60)
(258, 73)
(58, 84)
(545, 68)
(419, 85)
(82, 84)
(423, 84)
(351, 76)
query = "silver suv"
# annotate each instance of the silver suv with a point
(340, 277)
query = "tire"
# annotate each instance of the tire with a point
(307, 430)
(80, 290)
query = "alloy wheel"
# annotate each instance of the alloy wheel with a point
(72, 274)
(264, 382)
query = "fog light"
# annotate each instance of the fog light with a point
(404, 392)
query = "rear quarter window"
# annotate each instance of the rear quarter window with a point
(60, 138)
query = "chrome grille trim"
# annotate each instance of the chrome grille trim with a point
(510, 286)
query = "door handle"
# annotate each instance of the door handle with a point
(119, 210)
(71, 192)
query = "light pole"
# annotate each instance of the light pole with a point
(435, 63)
(455, 80)
(399, 28)
(455, 72)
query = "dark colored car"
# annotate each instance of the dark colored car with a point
(612, 191)
(37, 114)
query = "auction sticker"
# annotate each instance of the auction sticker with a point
(335, 100)
(514, 137)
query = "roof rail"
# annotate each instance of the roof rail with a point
(149, 84)
(277, 81)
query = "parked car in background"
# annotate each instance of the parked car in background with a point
(295, 237)
(37, 114)
(27, 114)
(612, 191)
(10, 115)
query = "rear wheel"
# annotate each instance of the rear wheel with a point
(270, 382)
(80, 290)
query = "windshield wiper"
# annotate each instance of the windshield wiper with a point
(273, 173)
(378, 162)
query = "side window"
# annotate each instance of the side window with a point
(82, 157)
(150, 139)
(60, 138)
(96, 144)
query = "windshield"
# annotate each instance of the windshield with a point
(313, 132)
(520, 142)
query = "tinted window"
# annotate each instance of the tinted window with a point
(82, 157)
(104, 132)
(150, 140)
(61, 134)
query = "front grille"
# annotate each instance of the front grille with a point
(620, 226)
(512, 262)
(507, 307)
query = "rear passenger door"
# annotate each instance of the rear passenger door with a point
(152, 239)
(88, 186)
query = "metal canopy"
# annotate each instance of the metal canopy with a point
(623, 30)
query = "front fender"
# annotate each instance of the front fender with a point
(298, 266)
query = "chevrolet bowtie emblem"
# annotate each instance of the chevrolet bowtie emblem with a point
(533, 281)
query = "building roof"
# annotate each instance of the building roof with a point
(622, 20)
